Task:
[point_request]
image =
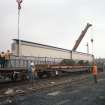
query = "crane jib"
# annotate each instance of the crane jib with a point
(81, 36)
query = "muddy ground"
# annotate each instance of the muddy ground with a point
(67, 90)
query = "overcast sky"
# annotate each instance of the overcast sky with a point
(54, 22)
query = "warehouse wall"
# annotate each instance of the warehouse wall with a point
(14, 48)
(81, 56)
(43, 52)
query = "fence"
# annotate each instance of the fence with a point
(25, 61)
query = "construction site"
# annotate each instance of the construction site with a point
(48, 60)
(39, 74)
(56, 70)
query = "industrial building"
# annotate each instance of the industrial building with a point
(40, 50)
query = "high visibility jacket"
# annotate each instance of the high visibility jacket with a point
(94, 70)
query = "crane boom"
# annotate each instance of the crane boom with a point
(81, 36)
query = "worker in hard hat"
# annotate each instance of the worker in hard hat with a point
(31, 72)
(94, 72)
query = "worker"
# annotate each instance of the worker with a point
(35, 74)
(31, 72)
(94, 72)
(2, 59)
(7, 58)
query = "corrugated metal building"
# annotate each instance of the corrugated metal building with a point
(40, 50)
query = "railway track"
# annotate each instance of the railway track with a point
(41, 84)
(10, 84)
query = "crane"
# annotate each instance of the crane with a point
(81, 36)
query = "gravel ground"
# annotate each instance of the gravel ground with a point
(79, 91)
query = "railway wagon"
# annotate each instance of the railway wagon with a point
(46, 66)
(42, 54)
(45, 70)
(13, 73)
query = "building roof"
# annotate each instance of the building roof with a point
(46, 46)
(41, 45)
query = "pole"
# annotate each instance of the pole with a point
(92, 45)
(18, 32)
(19, 43)
(92, 50)
(87, 48)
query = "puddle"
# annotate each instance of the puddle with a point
(54, 93)
(63, 102)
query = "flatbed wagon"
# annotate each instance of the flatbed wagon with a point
(13, 73)
(18, 67)
(54, 70)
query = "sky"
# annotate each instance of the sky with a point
(54, 22)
